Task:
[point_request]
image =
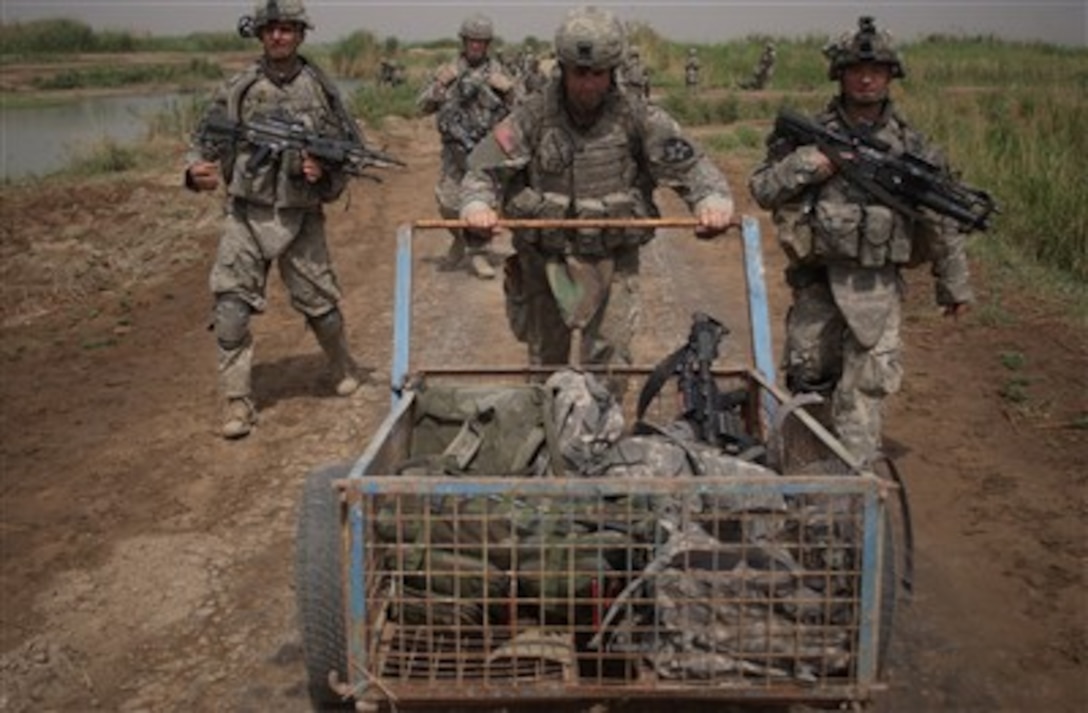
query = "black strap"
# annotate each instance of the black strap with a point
(656, 380)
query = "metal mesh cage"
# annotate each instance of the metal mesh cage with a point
(489, 587)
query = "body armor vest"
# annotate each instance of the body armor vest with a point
(589, 173)
(308, 98)
(850, 226)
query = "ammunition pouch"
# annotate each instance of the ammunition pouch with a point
(793, 226)
(870, 235)
(584, 242)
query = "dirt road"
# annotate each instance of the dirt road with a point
(148, 563)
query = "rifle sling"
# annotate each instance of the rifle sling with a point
(657, 379)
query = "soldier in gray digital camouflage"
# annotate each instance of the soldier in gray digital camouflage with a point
(531, 78)
(846, 249)
(584, 148)
(274, 208)
(691, 70)
(468, 96)
(634, 75)
(390, 73)
(761, 77)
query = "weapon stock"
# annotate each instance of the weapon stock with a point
(272, 136)
(904, 182)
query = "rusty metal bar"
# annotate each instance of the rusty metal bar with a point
(565, 223)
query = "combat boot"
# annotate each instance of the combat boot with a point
(456, 254)
(481, 266)
(239, 418)
(329, 330)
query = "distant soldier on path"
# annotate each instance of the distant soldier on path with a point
(635, 76)
(390, 74)
(468, 96)
(691, 70)
(764, 71)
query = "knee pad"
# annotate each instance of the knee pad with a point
(232, 322)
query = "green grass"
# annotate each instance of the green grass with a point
(196, 72)
(106, 157)
(373, 103)
(41, 38)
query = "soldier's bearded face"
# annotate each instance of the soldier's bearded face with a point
(474, 50)
(586, 88)
(281, 39)
(866, 82)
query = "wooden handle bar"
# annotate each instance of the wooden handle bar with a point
(566, 223)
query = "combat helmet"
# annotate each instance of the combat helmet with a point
(866, 45)
(477, 27)
(590, 38)
(266, 11)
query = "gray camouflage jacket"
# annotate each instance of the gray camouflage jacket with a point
(557, 168)
(306, 96)
(832, 221)
(467, 106)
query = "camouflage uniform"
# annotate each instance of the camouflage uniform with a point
(764, 71)
(691, 70)
(549, 166)
(274, 215)
(390, 74)
(845, 254)
(468, 101)
(635, 76)
(531, 78)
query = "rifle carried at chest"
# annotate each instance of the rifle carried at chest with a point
(905, 182)
(271, 136)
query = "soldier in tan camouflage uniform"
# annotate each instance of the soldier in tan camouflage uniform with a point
(761, 77)
(468, 95)
(846, 250)
(634, 75)
(274, 213)
(691, 70)
(390, 73)
(584, 148)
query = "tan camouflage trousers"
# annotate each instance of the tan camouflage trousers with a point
(822, 353)
(606, 338)
(447, 195)
(253, 238)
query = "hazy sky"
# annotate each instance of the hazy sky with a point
(1058, 21)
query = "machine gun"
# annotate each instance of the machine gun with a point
(454, 126)
(471, 110)
(716, 417)
(904, 182)
(272, 136)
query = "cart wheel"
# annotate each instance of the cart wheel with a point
(318, 586)
(898, 574)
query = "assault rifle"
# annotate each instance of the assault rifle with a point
(271, 136)
(904, 182)
(715, 416)
(456, 120)
(453, 125)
